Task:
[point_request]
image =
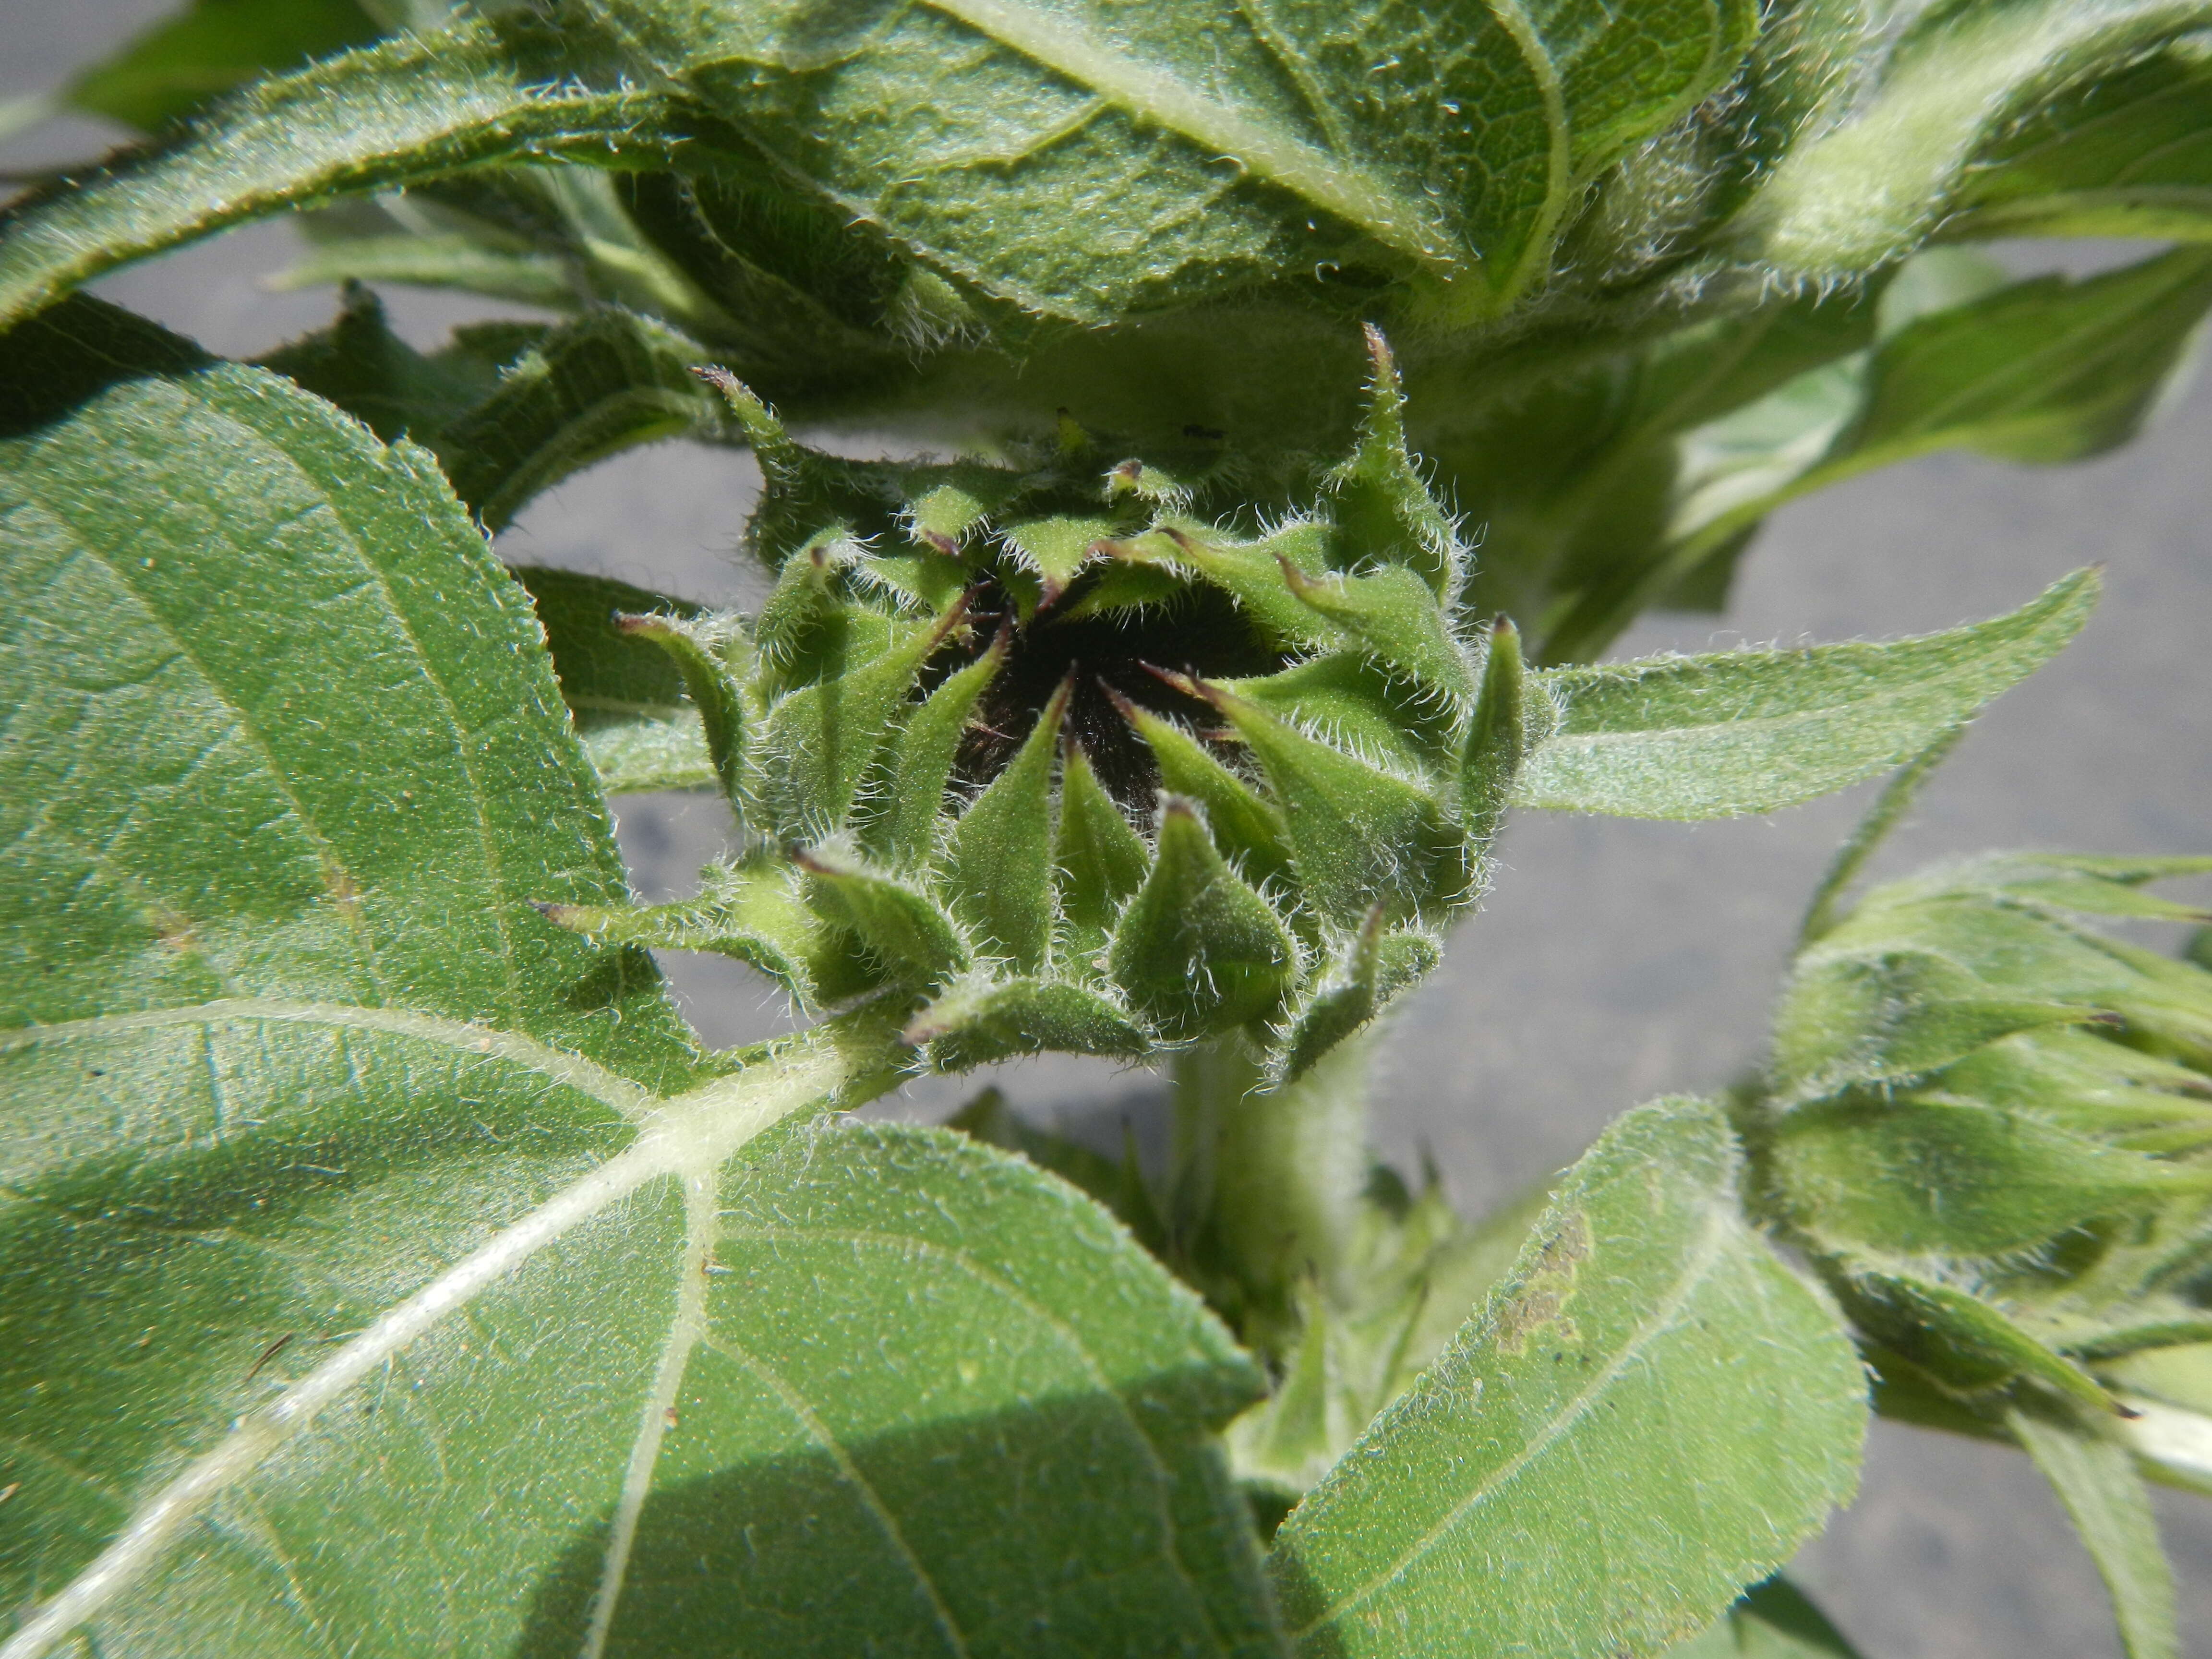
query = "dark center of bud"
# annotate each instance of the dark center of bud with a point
(1200, 632)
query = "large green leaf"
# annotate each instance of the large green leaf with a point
(420, 106)
(365, 1282)
(1750, 731)
(1211, 144)
(182, 61)
(1650, 1414)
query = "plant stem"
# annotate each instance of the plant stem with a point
(1267, 1182)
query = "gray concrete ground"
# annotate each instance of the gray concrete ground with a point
(1616, 961)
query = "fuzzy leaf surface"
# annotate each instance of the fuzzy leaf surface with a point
(354, 1251)
(1648, 1414)
(1740, 732)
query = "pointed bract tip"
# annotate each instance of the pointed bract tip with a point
(1186, 685)
(1058, 707)
(1127, 710)
(1378, 351)
(646, 625)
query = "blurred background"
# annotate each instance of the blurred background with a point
(1615, 961)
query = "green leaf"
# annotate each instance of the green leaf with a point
(1442, 144)
(2088, 1467)
(412, 108)
(998, 858)
(179, 64)
(697, 650)
(361, 366)
(1773, 1620)
(2040, 371)
(1370, 970)
(2045, 370)
(1031, 1460)
(1873, 186)
(1380, 503)
(1861, 1019)
(1497, 738)
(627, 698)
(361, 1289)
(2122, 155)
(1197, 950)
(1751, 731)
(1246, 827)
(1648, 1413)
(1966, 1345)
(589, 388)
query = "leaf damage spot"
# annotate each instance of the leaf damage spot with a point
(1540, 1302)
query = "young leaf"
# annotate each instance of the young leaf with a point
(1751, 731)
(627, 698)
(2088, 1467)
(413, 108)
(1650, 1414)
(1197, 950)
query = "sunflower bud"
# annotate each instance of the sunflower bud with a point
(1989, 1123)
(1069, 766)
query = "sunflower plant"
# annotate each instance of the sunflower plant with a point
(1280, 408)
